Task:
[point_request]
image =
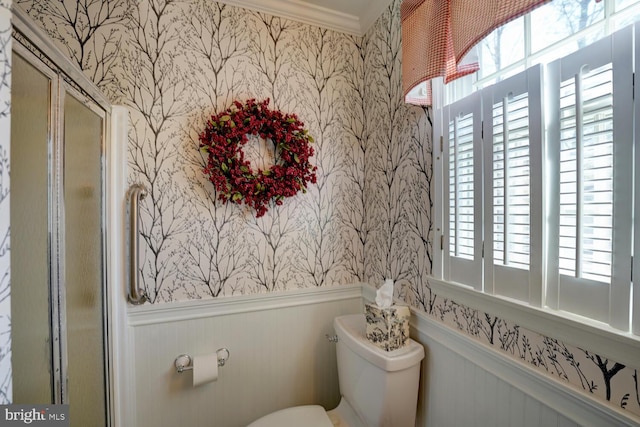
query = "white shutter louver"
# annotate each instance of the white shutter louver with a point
(463, 194)
(513, 181)
(461, 187)
(586, 175)
(511, 201)
(590, 146)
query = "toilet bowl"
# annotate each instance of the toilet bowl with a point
(378, 388)
(310, 416)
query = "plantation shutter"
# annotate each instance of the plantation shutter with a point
(462, 150)
(590, 149)
(513, 187)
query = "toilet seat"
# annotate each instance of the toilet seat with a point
(302, 416)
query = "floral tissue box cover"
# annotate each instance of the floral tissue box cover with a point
(388, 328)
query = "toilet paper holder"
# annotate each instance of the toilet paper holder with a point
(184, 362)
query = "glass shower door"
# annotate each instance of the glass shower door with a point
(83, 274)
(30, 259)
(57, 254)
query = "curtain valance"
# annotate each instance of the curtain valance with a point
(438, 35)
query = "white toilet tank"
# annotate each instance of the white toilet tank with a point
(380, 386)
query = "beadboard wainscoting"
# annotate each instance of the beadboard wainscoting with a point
(466, 383)
(279, 356)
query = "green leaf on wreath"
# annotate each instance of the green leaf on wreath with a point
(296, 158)
(225, 118)
(236, 197)
(244, 169)
(224, 167)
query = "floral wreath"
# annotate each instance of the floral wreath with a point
(226, 134)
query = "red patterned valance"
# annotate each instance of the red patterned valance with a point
(437, 34)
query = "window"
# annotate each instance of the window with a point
(537, 167)
(493, 211)
(590, 144)
(531, 39)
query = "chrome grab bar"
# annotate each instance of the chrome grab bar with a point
(136, 193)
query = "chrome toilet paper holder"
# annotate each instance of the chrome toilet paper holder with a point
(184, 362)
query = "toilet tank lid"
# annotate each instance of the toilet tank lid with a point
(351, 330)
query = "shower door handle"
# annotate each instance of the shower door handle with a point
(136, 193)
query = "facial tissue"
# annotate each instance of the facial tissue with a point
(387, 324)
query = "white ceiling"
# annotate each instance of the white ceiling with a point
(347, 16)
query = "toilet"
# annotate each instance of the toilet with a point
(378, 388)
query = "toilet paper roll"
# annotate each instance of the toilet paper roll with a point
(205, 369)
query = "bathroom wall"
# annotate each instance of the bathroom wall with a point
(279, 356)
(398, 157)
(177, 62)
(5, 138)
(398, 163)
(174, 64)
(368, 218)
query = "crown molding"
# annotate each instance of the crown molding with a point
(312, 14)
(372, 14)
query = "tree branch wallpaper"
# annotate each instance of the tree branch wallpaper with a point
(5, 247)
(368, 218)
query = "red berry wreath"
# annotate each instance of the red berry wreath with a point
(226, 134)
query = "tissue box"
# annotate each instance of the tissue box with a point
(388, 328)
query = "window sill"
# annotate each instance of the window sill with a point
(579, 331)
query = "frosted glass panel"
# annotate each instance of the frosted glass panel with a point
(31, 345)
(83, 264)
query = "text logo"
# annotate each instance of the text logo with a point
(36, 415)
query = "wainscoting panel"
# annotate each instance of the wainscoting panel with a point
(464, 383)
(279, 356)
(459, 393)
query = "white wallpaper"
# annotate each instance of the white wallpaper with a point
(368, 218)
(5, 264)
(176, 63)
